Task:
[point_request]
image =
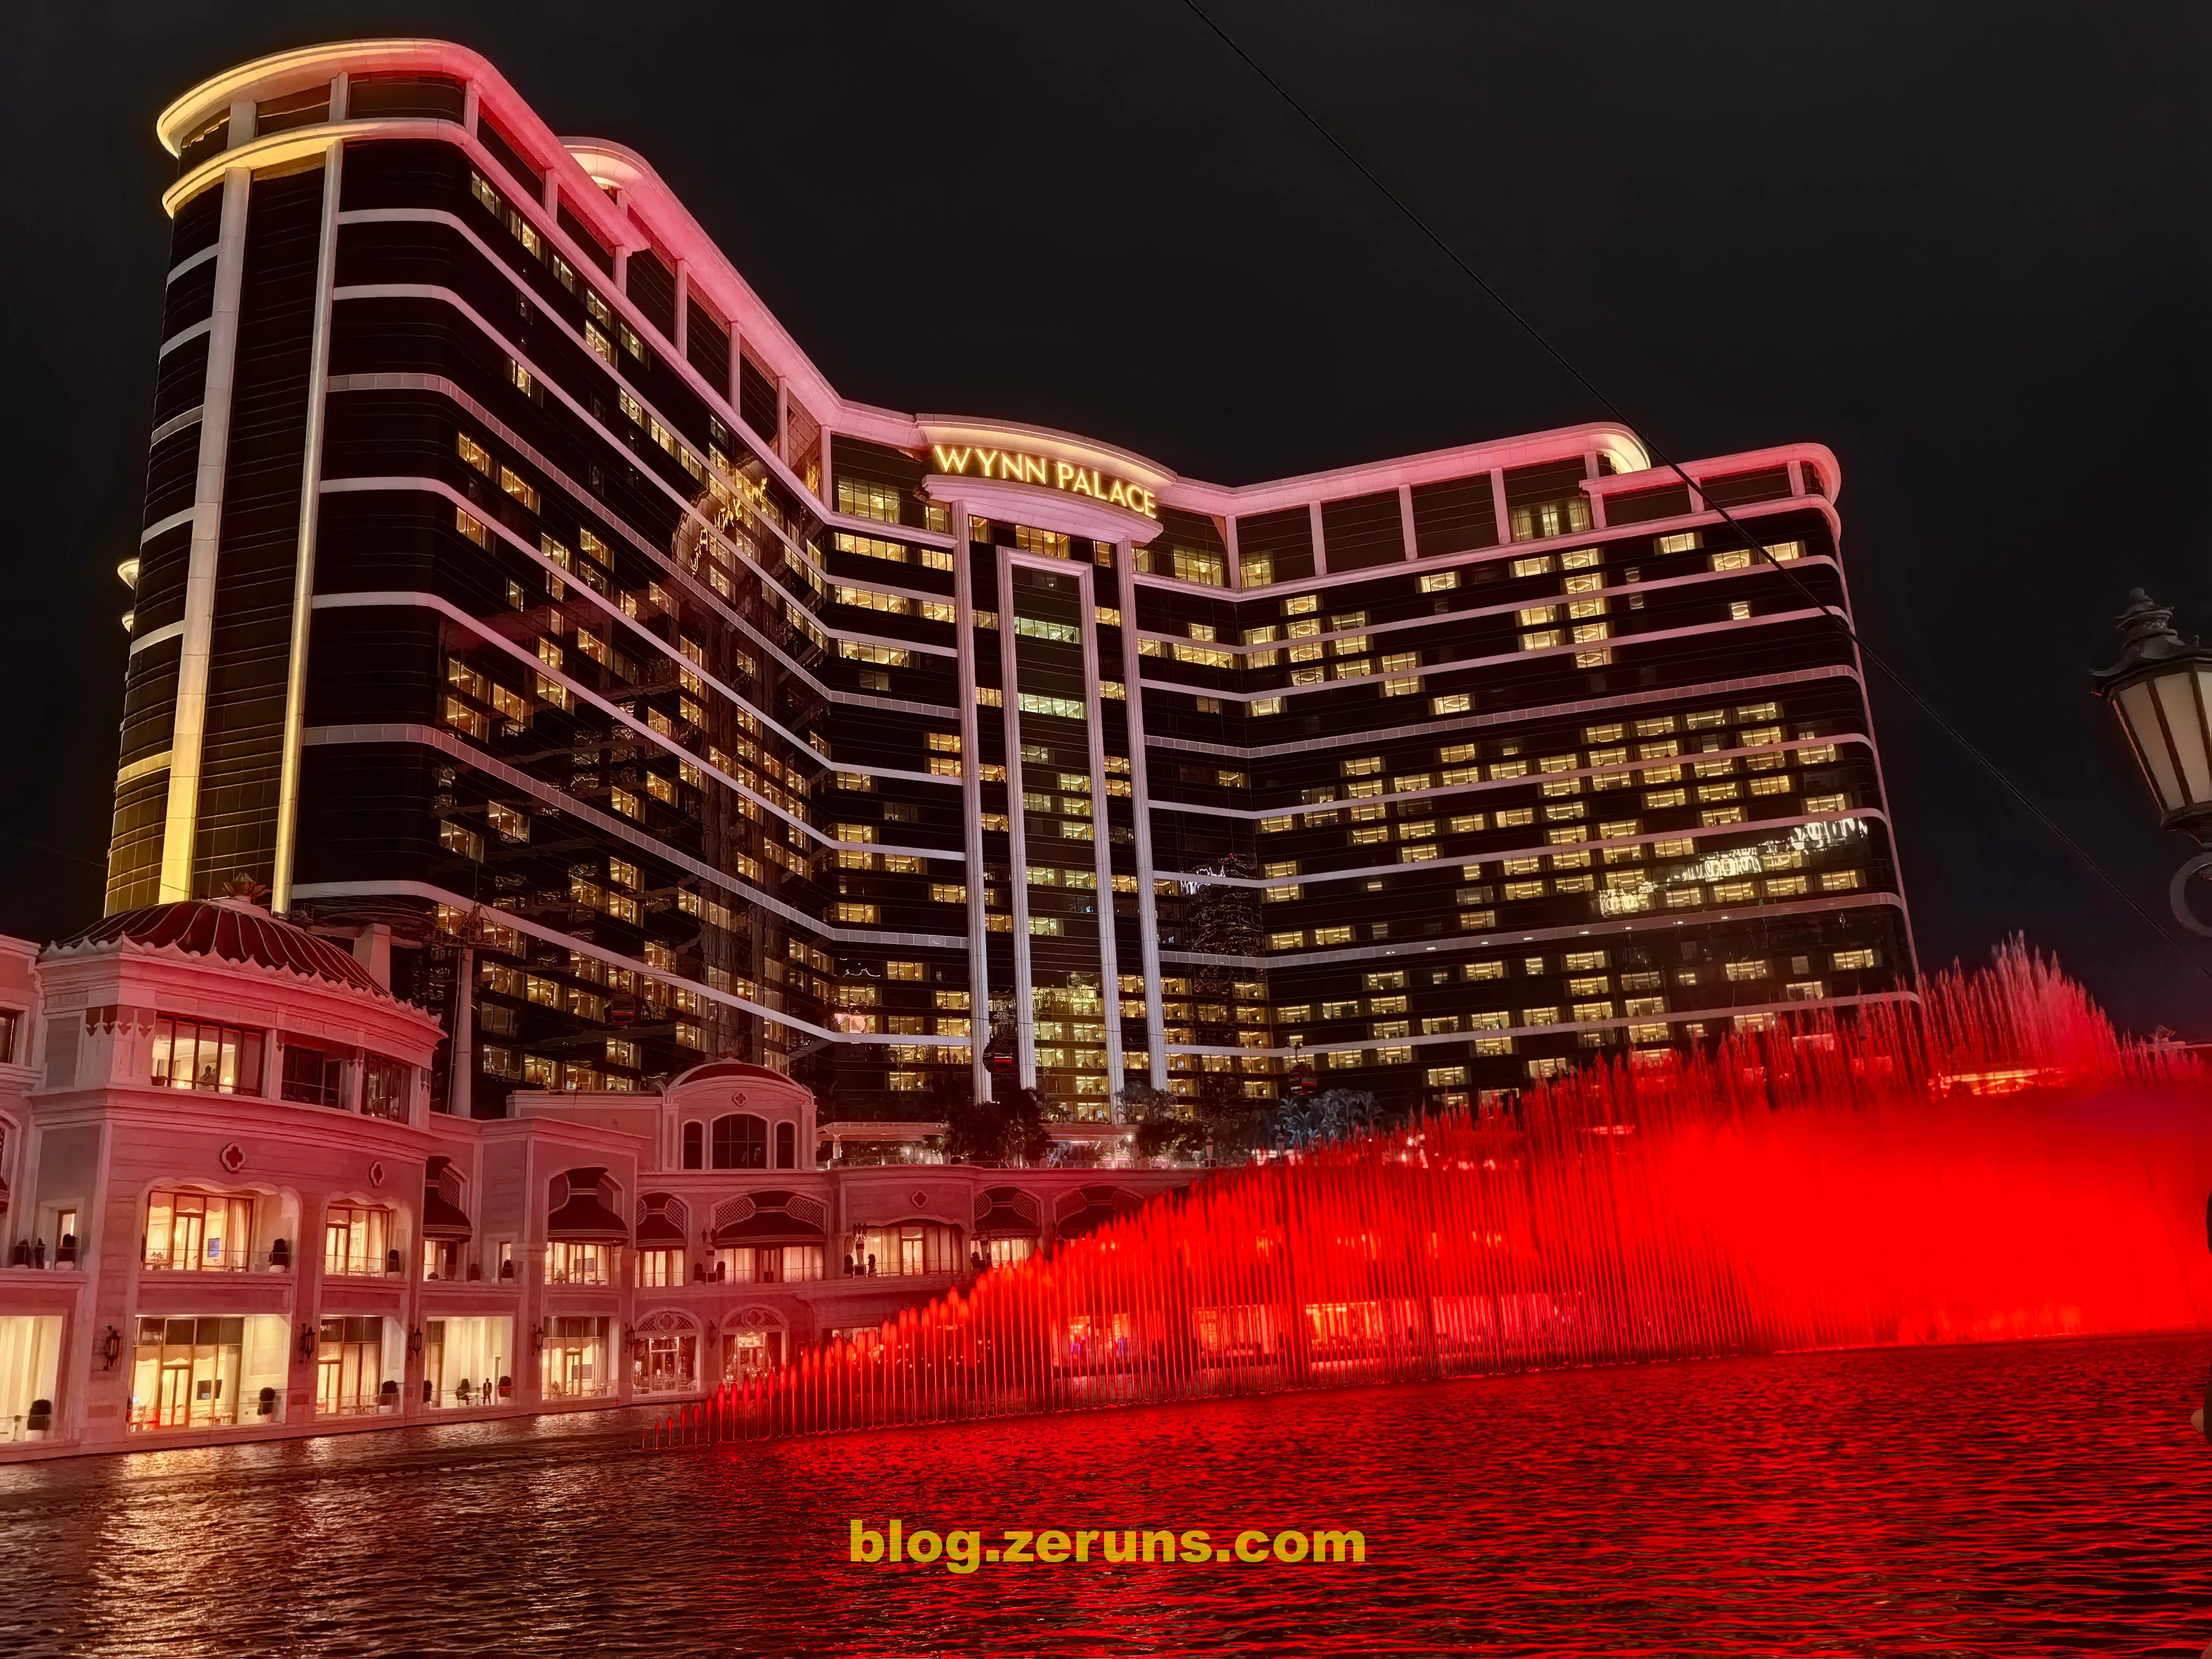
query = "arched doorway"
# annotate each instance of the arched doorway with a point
(755, 1341)
(664, 1353)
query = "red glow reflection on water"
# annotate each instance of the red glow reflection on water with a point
(1993, 1165)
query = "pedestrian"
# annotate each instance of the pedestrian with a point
(871, 1264)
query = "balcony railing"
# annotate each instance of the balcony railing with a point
(374, 1265)
(230, 1261)
(310, 1094)
(593, 1273)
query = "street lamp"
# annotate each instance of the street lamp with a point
(2161, 688)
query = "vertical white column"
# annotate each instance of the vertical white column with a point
(181, 818)
(971, 803)
(303, 567)
(1498, 507)
(1017, 864)
(681, 338)
(1406, 518)
(1320, 542)
(1141, 812)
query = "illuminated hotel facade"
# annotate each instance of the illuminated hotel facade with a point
(516, 595)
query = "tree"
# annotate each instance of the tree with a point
(992, 1130)
(1306, 1120)
(1164, 1128)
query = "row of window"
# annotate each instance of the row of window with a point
(209, 1057)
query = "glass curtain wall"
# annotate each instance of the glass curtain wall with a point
(1064, 959)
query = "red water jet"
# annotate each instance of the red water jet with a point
(1992, 1163)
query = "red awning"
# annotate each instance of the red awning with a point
(584, 1220)
(443, 1220)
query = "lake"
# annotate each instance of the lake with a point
(2043, 1497)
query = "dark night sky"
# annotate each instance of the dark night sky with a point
(1963, 244)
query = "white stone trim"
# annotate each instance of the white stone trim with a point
(188, 723)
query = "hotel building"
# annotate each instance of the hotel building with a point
(519, 603)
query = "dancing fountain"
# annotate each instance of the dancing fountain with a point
(1992, 1163)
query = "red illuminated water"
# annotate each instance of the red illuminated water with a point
(1993, 1164)
(2023, 1498)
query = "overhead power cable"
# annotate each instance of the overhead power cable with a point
(1834, 613)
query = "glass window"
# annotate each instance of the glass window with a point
(569, 1261)
(199, 1232)
(349, 1368)
(908, 1250)
(185, 1373)
(384, 1088)
(740, 1142)
(665, 1363)
(311, 1077)
(769, 1264)
(575, 1359)
(355, 1239)
(461, 1359)
(221, 1059)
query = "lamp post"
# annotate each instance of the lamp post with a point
(2161, 688)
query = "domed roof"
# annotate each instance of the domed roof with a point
(707, 1071)
(232, 930)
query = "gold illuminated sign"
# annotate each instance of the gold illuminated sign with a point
(1012, 466)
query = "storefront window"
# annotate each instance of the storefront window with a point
(666, 1364)
(30, 1355)
(575, 1360)
(350, 1367)
(750, 1354)
(185, 1373)
(465, 1361)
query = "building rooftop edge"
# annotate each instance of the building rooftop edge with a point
(661, 215)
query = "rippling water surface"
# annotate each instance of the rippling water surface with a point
(2040, 1499)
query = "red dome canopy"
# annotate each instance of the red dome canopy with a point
(232, 930)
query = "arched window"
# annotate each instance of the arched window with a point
(694, 1146)
(787, 1146)
(740, 1142)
